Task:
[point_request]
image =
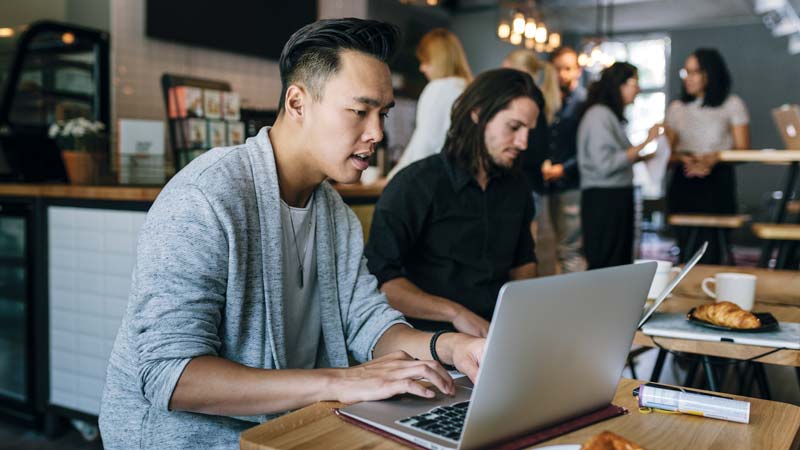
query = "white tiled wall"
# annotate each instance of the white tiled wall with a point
(138, 62)
(91, 258)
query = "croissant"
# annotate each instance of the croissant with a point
(609, 441)
(727, 314)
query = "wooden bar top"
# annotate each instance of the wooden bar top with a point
(773, 425)
(762, 156)
(777, 292)
(140, 193)
(777, 231)
(708, 220)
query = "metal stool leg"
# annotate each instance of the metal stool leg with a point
(691, 373)
(761, 378)
(783, 255)
(632, 366)
(662, 355)
(725, 248)
(710, 376)
(797, 370)
(691, 243)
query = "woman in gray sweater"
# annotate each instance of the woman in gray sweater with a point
(605, 161)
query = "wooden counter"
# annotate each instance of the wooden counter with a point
(360, 192)
(762, 156)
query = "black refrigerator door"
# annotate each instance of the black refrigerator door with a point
(16, 320)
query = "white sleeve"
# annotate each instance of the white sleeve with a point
(673, 111)
(432, 122)
(737, 110)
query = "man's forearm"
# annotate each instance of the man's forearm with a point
(523, 272)
(214, 385)
(403, 338)
(413, 302)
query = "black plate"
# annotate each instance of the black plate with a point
(768, 323)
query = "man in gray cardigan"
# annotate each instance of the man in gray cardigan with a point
(232, 318)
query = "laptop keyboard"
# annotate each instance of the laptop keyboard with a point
(443, 421)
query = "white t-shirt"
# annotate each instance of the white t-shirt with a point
(433, 120)
(302, 322)
(705, 129)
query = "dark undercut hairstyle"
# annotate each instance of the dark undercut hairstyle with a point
(488, 94)
(718, 79)
(606, 90)
(312, 54)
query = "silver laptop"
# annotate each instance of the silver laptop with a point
(787, 119)
(556, 349)
(668, 289)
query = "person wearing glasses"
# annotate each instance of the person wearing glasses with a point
(705, 119)
(605, 160)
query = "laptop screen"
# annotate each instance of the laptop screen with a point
(668, 290)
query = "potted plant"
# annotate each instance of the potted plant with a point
(84, 148)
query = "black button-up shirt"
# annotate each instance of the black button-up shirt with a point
(434, 225)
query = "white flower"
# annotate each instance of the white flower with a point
(53, 130)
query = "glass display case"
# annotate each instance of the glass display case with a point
(49, 72)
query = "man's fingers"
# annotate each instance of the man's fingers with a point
(406, 386)
(429, 370)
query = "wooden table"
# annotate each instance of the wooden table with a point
(773, 425)
(770, 157)
(777, 292)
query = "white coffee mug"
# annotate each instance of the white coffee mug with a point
(664, 274)
(739, 288)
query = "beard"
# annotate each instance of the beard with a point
(495, 170)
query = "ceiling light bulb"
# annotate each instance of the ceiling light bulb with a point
(68, 38)
(518, 24)
(530, 43)
(6, 32)
(555, 40)
(503, 30)
(530, 29)
(541, 34)
(516, 39)
(583, 59)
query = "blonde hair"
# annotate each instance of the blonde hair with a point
(526, 61)
(442, 51)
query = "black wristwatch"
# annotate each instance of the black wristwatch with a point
(435, 355)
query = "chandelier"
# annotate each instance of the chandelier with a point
(521, 24)
(594, 58)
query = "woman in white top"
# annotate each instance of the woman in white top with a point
(706, 119)
(444, 64)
